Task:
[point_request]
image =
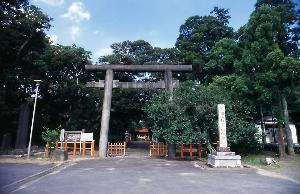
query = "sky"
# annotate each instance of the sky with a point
(96, 24)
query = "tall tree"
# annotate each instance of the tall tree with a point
(23, 38)
(198, 35)
(266, 40)
(64, 78)
(222, 58)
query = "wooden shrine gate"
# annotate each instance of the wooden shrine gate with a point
(109, 83)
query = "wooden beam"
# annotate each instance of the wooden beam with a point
(139, 68)
(136, 85)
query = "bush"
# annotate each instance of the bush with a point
(51, 136)
(191, 116)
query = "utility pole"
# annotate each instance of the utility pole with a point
(33, 114)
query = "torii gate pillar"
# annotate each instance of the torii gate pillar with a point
(106, 113)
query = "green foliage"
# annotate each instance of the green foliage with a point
(222, 57)
(64, 78)
(242, 135)
(51, 135)
(23, 39)
(198, 35)
(191, 116)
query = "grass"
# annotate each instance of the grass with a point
(256, 160)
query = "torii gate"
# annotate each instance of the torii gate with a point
(109, 83)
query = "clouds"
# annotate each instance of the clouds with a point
(104, 52)
(74, 31)
(52, 2)
(77, 12)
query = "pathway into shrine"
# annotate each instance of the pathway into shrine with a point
(138, 149)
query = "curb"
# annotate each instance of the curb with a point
(15, 185)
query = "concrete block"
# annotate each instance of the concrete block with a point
(224, 160)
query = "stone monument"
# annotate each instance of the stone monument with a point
(223, 157)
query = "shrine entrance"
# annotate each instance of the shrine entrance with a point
(108, 84)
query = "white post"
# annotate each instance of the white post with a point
(32, 121)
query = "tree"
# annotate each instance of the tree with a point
(23, 38)
(288, 36)
(198, 35)
(222, 57)
(266, 40)
(64, 78)
(192, 117)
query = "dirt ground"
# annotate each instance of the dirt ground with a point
(288, 167)
(24, 160)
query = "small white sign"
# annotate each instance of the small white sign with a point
(222, 126)
(86, 137)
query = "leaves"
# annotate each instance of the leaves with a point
(51, 136)
(192, 114)
(198, 35)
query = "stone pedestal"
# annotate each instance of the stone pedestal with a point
(224, 159)
(60, 155)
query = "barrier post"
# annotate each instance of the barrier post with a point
(47, 150)
(65, 145)
(199, 150)
(93, 148)
(83, 149)
(56, 145)
(74, 150)
(181, 150)
(191, 151)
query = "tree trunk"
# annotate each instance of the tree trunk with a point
(262, 124)
(281, 146)
(288, 132)
(23, 125)
(21, 49)
(171, 151)
(105, 113)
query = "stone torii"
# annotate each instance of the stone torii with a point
(109, 83)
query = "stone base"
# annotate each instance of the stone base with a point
(60, 155)
(224, 159)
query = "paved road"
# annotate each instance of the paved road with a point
(135, 176)
(11, 172)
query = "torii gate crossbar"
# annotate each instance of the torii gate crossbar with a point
(109, 84)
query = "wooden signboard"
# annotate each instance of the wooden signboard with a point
(72, 136)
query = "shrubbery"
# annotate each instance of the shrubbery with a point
(191, 116)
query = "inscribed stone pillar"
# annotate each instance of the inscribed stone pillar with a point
(105, 113)
(223, 157)
(222, 126)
